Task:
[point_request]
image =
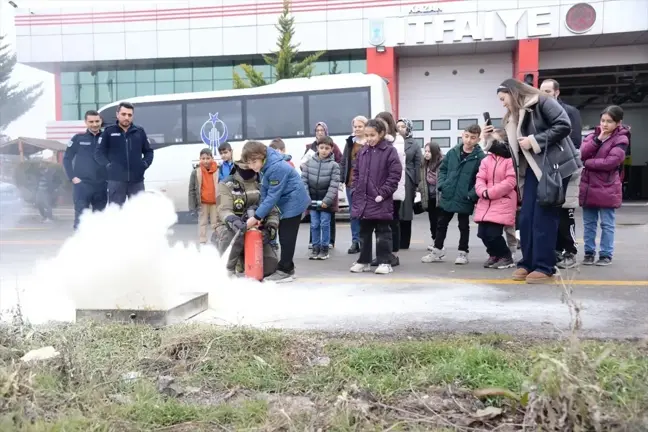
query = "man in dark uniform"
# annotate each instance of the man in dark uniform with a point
(125, 151)
(566, 249)
(88, 177)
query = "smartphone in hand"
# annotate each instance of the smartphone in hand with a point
(487, 119)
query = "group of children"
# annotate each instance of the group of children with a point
(464, 182)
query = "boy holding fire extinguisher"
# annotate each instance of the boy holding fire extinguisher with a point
(239, 196)
(281, 188)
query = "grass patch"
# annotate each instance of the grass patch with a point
(107, 378)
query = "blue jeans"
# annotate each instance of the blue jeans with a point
(590, 225)
(538, 230)
(355, 223)
(320, 228)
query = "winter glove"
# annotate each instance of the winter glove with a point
(379, 199)
(235, 223)
(269, 234)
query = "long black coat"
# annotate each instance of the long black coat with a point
(412, 178)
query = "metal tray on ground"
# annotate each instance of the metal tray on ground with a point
(188, 306)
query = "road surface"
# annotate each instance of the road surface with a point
(440, 297)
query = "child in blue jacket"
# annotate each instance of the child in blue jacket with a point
(281, 186)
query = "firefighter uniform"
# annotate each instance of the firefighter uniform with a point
(236, 196)
(79, 161)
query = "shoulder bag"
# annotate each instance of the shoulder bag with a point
(551, 192)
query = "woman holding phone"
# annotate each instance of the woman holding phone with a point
(538, 129)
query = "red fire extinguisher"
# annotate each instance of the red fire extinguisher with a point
(254, 254)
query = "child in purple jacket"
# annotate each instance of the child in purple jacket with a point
(376, 174)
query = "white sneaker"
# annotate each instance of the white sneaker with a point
(462, 258)
(360, 268)
(435, 256)
(430, 248)
(384, 269)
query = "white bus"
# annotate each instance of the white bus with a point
(180, 125)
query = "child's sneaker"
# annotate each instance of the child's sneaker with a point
(462, 258)
(588, 260)
(384, 269)
(604, 261)
(490, 261)
(504, 263)
(323, 254)
(360, 268)
(314, 253)
(310, 245)
(436, 255)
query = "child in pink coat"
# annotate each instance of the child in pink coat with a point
(496, 188)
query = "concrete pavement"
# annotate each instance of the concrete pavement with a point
(422, 297)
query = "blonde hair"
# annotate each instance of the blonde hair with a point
(361, 119)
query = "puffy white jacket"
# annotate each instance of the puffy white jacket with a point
(399, 144)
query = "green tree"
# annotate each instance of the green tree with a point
(14, 101)
(284, 61)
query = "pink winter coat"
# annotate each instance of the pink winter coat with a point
(497, 176)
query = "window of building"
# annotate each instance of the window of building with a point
(164, 88)
(223, 71)
(440, 124)
(145, 89)
(143, 75)
(337, 109)
(71, 112)
(201, 86)
(126, 90)
(162, 122)
(126, 76)
(69, 94)
(203, 72)
(276, 116)
(462, 124)
(183, 74)
(459, 140)
(419, 142)
(87, 93)
(106, 92)
(444, 142)
(183, 86)
(162, 75)
(230, 113)
(223, 84)
(418, 125)
(69, 78)
(86, 77)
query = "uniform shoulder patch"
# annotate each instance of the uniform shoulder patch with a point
(274, 182)
(70, 143)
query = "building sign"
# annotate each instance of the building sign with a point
(486, 26)
(424, 10)
(377, 32)
(580, 18)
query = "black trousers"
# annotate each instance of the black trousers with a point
(395, 227)
(433, 216)
(383, 241)
(566, 241)
(442, 229)
(405, 234)
(288, 231)
(492, 235)
(310, 236)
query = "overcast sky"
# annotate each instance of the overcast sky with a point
(33, 123)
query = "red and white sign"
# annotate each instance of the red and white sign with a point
(580, 18)
(64, 130)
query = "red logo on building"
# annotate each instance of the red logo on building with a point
(580, 18)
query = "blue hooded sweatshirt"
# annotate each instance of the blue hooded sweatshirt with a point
(281, 186)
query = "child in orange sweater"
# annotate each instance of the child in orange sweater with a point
(202, 192)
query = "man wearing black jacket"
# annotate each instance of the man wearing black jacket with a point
(125, 151)
(566, 243)
(87, 176)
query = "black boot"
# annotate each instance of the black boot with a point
(354, 249)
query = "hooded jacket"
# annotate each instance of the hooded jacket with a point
(376, 172)
(497, 178)
(600, 185)
(322, 180)
(195, 187)
(281, 186)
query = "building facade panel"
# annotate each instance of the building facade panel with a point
(250, 22)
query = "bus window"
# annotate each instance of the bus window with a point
(228, 123)
(337, 109)
(162, 122)
(275, 116)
